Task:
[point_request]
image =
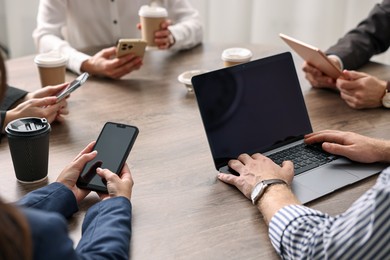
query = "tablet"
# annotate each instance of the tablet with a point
(313, 56)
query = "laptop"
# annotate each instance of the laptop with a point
(258, 107)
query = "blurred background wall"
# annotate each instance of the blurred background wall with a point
(317, 22)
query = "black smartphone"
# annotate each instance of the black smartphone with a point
(75, 84)
(113, 146)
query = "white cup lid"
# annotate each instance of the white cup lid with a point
(50, 59)
(236, 54)
(152, 11)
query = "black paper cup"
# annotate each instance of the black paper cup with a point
(28, 140)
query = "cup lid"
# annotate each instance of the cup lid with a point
(152, 11)
(27, 126)
(236, 54)
(50, 59)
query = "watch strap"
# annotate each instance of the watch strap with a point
(265, 184)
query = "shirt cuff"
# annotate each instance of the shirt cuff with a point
(76, 58)
(339, 60)
(285, 217)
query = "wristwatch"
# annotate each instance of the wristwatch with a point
(261, 186)
(386, 97)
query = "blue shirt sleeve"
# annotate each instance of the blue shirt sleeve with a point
(54, 197)
(49, 232)
(106, 230)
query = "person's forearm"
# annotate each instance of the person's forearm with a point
(383, 150)
(9, 116)
(54, 197)
(114, 215)
(276, 197)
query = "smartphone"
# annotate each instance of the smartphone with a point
(75, 84)
(113, 146)
(314, 56)
(127, 46)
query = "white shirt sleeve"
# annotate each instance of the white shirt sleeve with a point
(70, 26)
(187, 28)
(48, 36)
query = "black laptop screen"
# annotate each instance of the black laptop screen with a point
(251, 107)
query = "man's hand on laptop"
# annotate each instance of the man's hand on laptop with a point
(356, 147)
(256, 168)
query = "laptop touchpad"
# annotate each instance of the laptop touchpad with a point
(326, 179)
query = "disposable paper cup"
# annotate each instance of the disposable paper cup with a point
(234, 56)
(51, 67)
(151, 18)
(28, 140)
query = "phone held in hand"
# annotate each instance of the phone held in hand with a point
(127, 46)
(75, 84)
(113, 146)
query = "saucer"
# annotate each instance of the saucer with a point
(186, 77)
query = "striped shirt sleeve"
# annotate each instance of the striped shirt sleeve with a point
(361, 232)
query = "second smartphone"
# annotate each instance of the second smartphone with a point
(113, 146)
(127, 46)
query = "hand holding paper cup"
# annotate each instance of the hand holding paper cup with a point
(151, 18)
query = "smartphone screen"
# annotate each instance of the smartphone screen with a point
(113, 146)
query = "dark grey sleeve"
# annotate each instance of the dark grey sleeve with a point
(370, 37)
(11, 96)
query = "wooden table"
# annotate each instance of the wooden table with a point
(180, 209)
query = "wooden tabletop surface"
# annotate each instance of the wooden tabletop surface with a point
(180, 209)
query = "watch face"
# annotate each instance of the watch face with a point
(257, 190)
(386, 100)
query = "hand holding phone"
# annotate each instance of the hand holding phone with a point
(75, 84)
(127, 46)
(113, 146)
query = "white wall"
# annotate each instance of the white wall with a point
(19, 17)
(317, 22)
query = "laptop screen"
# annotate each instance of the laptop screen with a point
(252, 107)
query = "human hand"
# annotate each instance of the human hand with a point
(361, 90)
(71, 173)
(121, 185)
(317, 78)
(163, 37)
(104, 63)
(351, 145)
(256, 168)
(48, 92)
(38, 107)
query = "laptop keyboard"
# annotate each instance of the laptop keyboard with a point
(305, 157)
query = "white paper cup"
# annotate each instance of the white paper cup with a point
(51, 67)
(151, 18)
(234, 56)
